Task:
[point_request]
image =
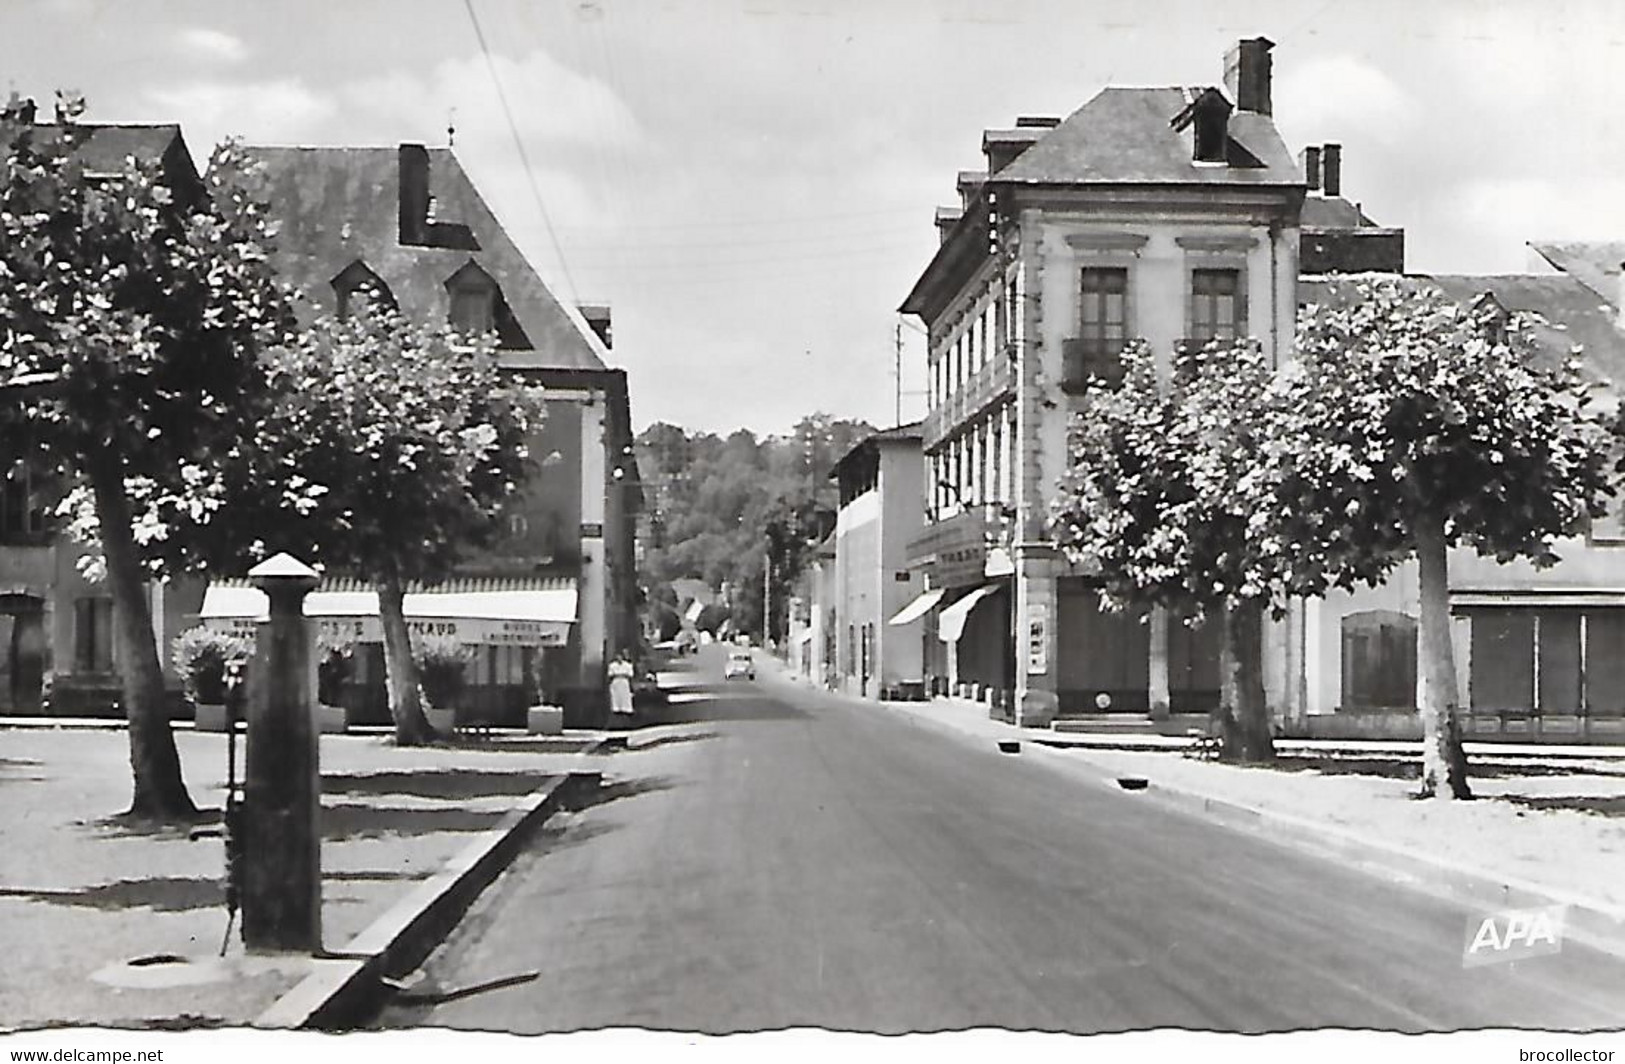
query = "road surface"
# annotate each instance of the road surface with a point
(787, 858)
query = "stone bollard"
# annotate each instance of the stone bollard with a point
(282, 877)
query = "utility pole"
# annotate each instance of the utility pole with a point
(897, 344)
(767, 597)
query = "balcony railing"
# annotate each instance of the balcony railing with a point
(992, 382)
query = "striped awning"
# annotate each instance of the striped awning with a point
(524, 611)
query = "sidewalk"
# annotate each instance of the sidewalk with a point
(80, 898)
(1546, 828)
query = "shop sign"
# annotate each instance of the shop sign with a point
(1037, 639)
(470, 631)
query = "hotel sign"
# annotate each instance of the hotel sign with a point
(471, 631)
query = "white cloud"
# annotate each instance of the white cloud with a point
(213, 45)
(551, 104)
(1543, 209)
(1339, 95)
(278, 111)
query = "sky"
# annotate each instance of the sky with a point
(750, 183)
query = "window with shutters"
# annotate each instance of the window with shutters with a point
(93, 634)
(1379, 661)
(1103, 328)
(1218, 310)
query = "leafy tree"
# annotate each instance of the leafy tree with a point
(727, 505)
(144, 302)
(1412, 423)
(389, 452)
(1158, 503)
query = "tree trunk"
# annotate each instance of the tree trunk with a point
(1160, 618)
(400, 668)
(159, 791)
(1444, 763)
(1244, 716)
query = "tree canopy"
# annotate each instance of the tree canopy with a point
(1159, 503)
(143, 302)
(1412, 422)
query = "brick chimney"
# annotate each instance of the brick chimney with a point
(1331, 169)
(1309, 163)
(1247, 74)
(414, 194)
(947, 218)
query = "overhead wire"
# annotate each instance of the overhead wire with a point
(519, 143)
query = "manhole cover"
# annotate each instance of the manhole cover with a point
(160, 971)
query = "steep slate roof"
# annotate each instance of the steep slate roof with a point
(1596, 264)
(337, 205)
(103, 147)
(1123, 136)
(1571, 311)
(1332, 212)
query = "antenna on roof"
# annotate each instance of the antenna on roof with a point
(451, 126)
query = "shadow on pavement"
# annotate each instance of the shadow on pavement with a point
(666, 740)
(345, 821)
(718, 702)
(614, 792)
(1609, 805)
(436, 784)
(165, 894)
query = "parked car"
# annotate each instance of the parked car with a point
(740, 666)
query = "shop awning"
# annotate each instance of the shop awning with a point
(918, 608)
(517, 611)
(951, 622)
(1536, 598)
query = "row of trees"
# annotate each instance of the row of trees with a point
(160, 370)
(728, 507)
(1409, 423)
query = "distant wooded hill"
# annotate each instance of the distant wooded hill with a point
(721, 508)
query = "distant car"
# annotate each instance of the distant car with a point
(740, 666)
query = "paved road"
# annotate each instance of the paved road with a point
(789, 859)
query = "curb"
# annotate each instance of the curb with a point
(1588, 921)
(347, 984)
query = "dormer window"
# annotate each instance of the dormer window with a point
(473, 300)
(476, 305)
(1209, 115)
(356, 283)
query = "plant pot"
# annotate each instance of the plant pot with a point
(545, 720)
(209, 717)
(331, 720)
(441, 721)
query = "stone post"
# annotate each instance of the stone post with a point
(282, 877)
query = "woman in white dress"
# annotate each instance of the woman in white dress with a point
(620, 685)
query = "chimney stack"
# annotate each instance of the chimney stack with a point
(1309, 161)
(1247, 74)
(1331, 169)
(947, 218)
(414, 194)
